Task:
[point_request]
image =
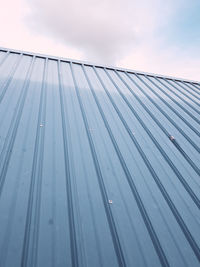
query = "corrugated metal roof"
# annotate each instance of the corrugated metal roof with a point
(98, 166)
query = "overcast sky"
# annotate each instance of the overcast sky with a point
(148, 35)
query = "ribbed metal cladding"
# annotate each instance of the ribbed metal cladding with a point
(98, 166)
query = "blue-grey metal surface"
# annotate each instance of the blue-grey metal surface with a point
(98, 166)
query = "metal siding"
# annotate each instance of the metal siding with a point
(89, 172)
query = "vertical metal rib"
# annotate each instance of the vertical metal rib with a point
(192, 87)
(12, 132)
(176, 102)
(184, 154)
(191, 93)
(196, 90)
(72, 230)
(149, 226)
(166, 196)
(4, 58)
(178, 95)
(7, 235)
(8, 147)
(29, 256)
(6, 84)
(183, 93)
(142, 123)
(165, 114)
(111, 222)
(169, 106)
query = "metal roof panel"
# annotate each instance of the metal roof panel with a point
(99, 166)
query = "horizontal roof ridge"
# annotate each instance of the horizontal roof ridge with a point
(97, 65)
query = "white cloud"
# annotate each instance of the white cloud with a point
(102, 30)
(127, 33)
(17, 34)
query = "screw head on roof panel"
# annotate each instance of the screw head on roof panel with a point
(110, 201)
(171, 137)
(41, 125)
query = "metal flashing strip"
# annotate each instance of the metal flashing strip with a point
(86, 63)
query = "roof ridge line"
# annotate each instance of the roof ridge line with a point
(98, 65)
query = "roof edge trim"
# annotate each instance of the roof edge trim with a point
(28, 53)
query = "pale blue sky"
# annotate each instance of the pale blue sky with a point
(184, 27)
